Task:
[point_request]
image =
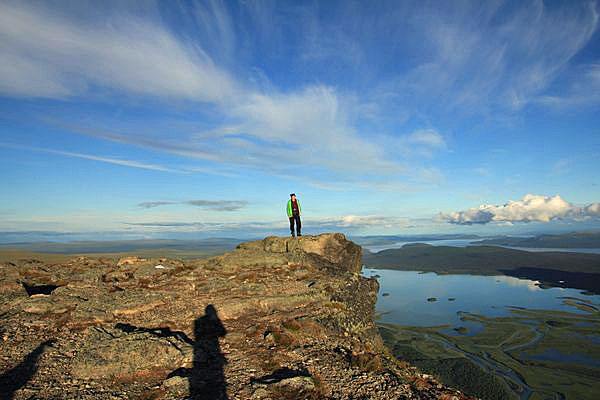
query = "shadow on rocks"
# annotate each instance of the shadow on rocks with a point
(280, 375)
(206, 377)
(15, 378)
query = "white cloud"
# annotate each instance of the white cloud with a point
(427, 137)
(531, 208)
(126, 163)
(109, 160)
(306, 127)
(49, 54)
(421, 143)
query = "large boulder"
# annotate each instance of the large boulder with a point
(333, 247)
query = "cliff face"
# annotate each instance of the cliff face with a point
(276, 318)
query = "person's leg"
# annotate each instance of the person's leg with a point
(292, 225)
(298, 226)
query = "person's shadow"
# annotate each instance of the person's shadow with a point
(207, 378)
(15, 378)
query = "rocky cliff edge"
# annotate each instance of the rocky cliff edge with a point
(278, 318)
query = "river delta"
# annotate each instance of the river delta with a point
(496, 337)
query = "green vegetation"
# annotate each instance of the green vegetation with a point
(537, 353)
(461, 373)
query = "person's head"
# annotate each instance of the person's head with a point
(293, 196)
(211, 312)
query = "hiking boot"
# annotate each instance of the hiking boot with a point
(293, 234)
(299, 234)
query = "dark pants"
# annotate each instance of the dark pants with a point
(298, 224)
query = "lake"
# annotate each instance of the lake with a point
(403, 297)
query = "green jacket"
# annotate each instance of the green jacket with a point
(289, 208)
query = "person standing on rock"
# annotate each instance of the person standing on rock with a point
(293, 212)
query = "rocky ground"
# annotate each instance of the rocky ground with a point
(278, 318)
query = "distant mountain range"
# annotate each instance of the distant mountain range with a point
(124, 246)
(581, 240)
(382, 240)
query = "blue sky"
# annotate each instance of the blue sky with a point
(196, 119)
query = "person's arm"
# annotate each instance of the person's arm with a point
(289, 208)
(299, 208)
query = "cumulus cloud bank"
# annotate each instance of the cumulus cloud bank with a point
(532, 208)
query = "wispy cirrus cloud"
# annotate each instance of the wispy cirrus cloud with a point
(50, 52)
(465, 54)
(109, 160)
(421, 143)
(126, 163)
(580, 88)
(256, 126)
(562, 166)
(214, 205)
(479, 57)
(488, 59)
(282, 131)
(495, 54)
